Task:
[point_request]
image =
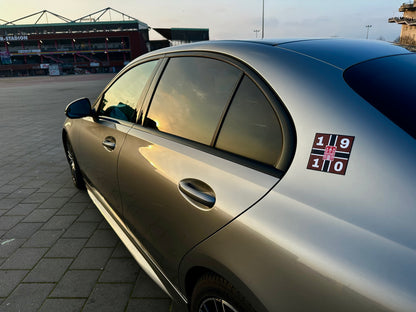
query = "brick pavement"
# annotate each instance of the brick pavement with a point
(57, 253)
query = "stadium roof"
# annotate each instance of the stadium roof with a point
(97, 21)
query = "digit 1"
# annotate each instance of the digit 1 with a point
(315, 163)
(320, 141)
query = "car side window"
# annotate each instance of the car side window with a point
(251, 127)
(191, 97)
(120, 100)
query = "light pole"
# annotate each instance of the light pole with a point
(262, 22)
(368, 29)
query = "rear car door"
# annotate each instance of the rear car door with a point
(101, 137)
(208, 149)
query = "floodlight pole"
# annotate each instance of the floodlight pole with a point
(368, 29)
(262, 23)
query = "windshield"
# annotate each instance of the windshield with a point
(389, 84)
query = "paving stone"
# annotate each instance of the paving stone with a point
(7, 203)
(9, 279)
(104, 225)
(76, 284)
(120, 270)
(66, 247)
(81, 230)
(23, 230)
(62, 305)
(91, 215)
(21, 210)
(81, 197)
(37, 198)
(66, 192)
(36, 183)
(9, 246)
(59, 223)
(22, 193)
(54, 202)
(72, 209)
(40, 215)
(146, 305)
(21, 180)
(92, 258)
(23, 258)
(43, 238)
(50, 187)
(146, 288)
(26, 297)
(121, 251)
(8, 188)
(8, 222)
(103, 238)
(108, 297)
(48, 270)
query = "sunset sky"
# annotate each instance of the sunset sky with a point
(235, 19)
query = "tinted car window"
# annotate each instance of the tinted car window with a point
(191, 97)
(120, 100)
(251, 128)
(389, 85)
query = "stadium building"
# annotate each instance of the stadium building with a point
(88, 44)
(408, 22)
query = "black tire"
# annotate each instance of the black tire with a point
(77, 178)
(212, 293)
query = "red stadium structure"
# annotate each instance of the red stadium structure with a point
(87, 44)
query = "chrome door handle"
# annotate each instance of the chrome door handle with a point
(109, 144)
(198, 191)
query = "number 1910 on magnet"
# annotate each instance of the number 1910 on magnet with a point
(330, 153)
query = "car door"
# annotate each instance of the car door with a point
(197, 162)
(101, 137)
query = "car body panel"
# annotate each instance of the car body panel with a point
(343, 52)
(98, 163)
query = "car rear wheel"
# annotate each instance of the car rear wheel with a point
(73, 165)
(212, 293)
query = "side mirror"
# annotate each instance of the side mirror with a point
(79, 108)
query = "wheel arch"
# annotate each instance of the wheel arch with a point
(208, 265)
(64, 138)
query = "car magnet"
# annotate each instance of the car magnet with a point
(330, 153)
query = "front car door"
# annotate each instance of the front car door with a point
(101, 137)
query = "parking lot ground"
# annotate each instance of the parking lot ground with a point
(57, 253)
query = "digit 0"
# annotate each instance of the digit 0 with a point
(338, 166)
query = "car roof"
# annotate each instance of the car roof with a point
(341, 53)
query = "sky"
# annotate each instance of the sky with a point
(234, 19)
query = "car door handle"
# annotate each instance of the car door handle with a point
(109, 143)
(198, 191)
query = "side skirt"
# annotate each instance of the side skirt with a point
(133, 245)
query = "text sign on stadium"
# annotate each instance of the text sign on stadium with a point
(330, 153)
(13, 38)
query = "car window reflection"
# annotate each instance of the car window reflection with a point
(191, 106)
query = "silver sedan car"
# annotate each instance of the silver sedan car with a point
(275, 175)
